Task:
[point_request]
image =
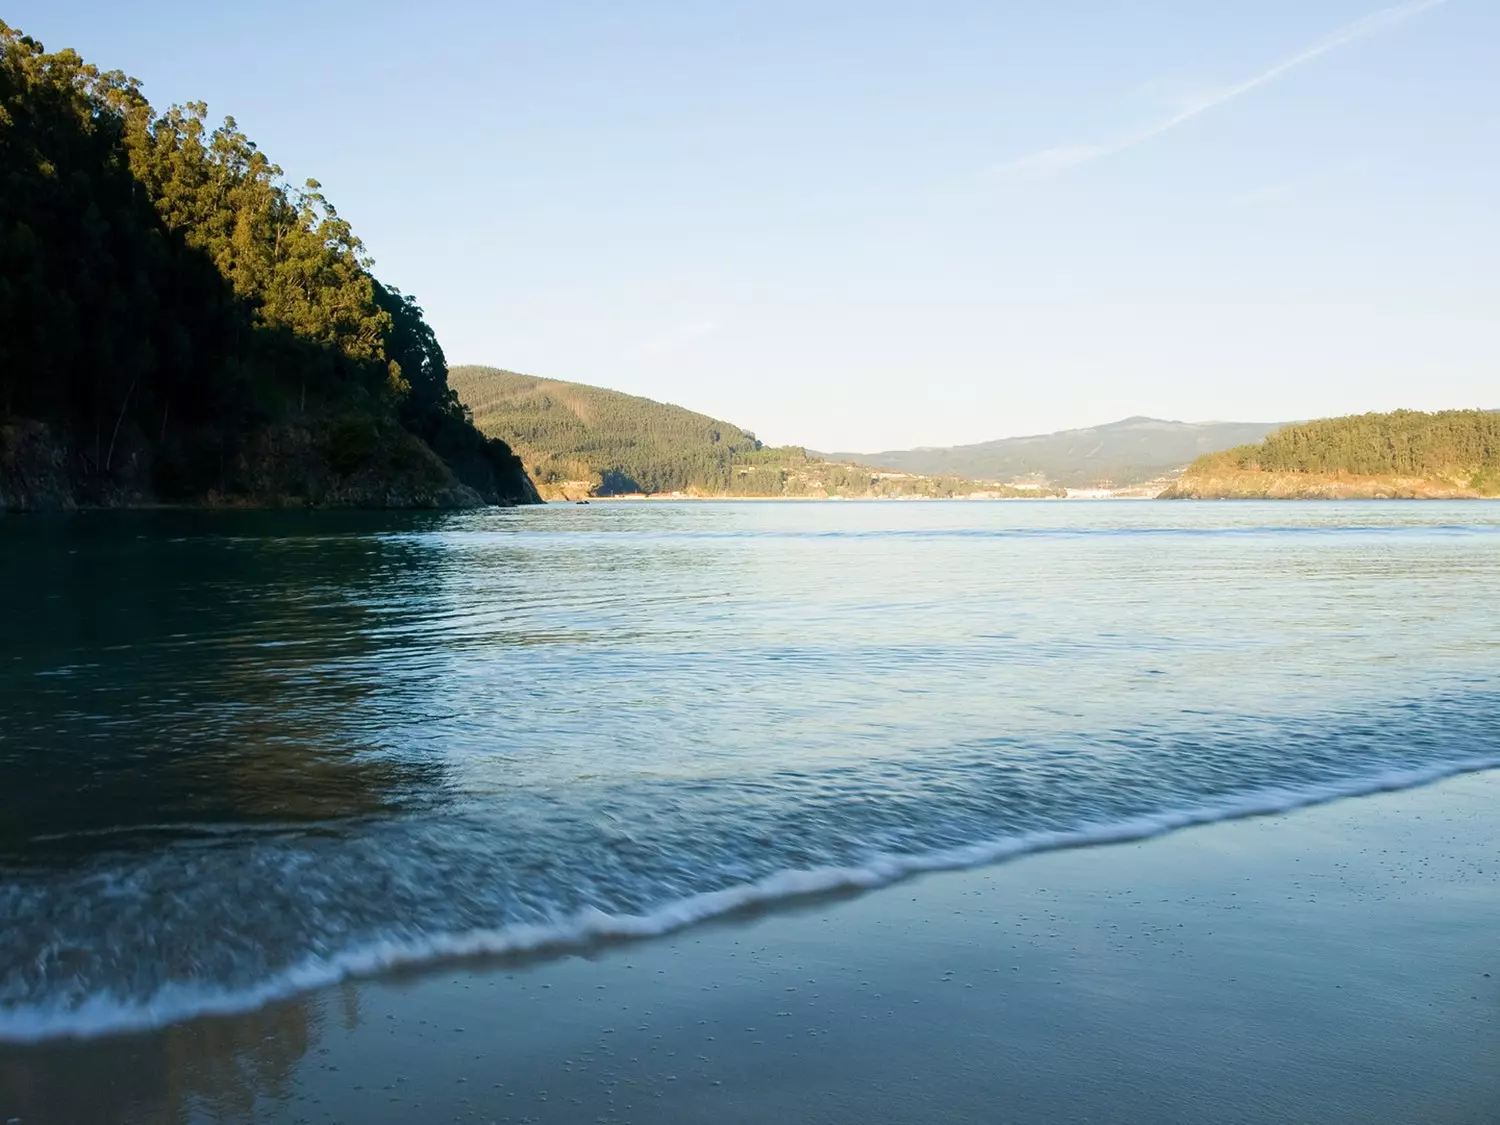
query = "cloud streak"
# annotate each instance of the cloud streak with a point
(1053, 161)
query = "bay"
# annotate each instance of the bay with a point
(245, 754)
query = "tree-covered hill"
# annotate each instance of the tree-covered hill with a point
(176, 322)
(1115, 455)
(578, 440)
(617, 442)
(1452, 453)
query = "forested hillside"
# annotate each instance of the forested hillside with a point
(1114, 455)
(177, 322)
(1405, 453)
(621, 443)
(577, 440)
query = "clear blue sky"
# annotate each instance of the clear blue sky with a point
(861, 224)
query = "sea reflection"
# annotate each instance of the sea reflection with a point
(185, 673)
(224, 1070)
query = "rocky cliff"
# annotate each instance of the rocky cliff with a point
(321, 463)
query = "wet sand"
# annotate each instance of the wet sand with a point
(1336, 964)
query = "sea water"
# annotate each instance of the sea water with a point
(243, 755)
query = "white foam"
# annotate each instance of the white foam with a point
(174, 1003)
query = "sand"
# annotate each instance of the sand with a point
(1336, 964)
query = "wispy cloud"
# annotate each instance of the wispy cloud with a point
(1052, 161)
(679, 337)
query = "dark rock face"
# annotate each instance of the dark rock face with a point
(489, 467)
(33, 469)
(320, 463)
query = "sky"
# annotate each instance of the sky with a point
(859, 225)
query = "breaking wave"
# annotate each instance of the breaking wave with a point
(104, 1014)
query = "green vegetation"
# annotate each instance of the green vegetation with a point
(1405, 453)
(1116, 455)
(616, 442)
(176, 321)
(577, 440)
(1456, 443)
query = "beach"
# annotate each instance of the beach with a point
(1335, 964)
(385, 740)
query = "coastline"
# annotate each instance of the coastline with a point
(1258, 485)
(1327, 962)
(671, 497)
(466, 500)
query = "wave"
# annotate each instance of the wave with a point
(103, 1015)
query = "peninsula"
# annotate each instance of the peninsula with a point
(1407, 454)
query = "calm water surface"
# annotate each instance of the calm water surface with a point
(245, 754)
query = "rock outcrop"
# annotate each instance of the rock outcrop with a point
(351, 462)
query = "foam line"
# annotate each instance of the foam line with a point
(175, 1003)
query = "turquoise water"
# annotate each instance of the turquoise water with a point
(247, 754)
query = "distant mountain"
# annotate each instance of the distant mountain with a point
(576, 440)
(1405, 454)
(1115, 455)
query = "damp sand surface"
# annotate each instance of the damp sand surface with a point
(1333, 964)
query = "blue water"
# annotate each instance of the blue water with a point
(247, 754)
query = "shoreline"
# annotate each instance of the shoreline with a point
(1124, 496)
(1261, 485)
(664, 498)
(1227, 946)
(591, 931)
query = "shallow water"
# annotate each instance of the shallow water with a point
(244, 754)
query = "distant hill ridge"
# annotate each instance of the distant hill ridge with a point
(578, 440)
(1130, 451)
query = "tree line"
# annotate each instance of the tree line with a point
(1456, 444)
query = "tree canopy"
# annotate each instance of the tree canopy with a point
(165, 291)
(1404, 442)
(1404, 453)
